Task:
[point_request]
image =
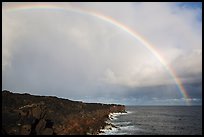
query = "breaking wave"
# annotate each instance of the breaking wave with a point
(114, 127)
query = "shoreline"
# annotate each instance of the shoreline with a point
(49, 115)
(110, 126)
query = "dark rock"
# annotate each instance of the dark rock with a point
(36, 112)
(25, 129)
(40, 126)
(3, 132)
(47, 131)
(24, 115)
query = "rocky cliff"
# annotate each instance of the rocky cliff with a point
(25, 114)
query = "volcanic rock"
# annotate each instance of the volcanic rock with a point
(25, 114)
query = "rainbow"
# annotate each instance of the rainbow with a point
(142, 40)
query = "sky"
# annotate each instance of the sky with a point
(78, 56)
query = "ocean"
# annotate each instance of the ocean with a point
(156, 120)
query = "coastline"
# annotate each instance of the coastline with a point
(109, 127)
(36, 115)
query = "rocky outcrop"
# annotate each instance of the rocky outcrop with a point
(24, 114)
(32, 120)
(117, 108)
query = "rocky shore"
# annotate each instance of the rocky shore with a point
(25, 114)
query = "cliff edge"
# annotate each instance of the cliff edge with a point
(25, 114)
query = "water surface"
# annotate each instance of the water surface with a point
(159, 120)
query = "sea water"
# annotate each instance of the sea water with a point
(156, 120)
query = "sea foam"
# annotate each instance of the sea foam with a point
(113, 128)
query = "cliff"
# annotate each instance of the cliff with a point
(25, 114)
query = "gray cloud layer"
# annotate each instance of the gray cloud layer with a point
(68, 54)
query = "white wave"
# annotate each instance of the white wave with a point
(119, 128)
(129, 112)
(129, 128)
(118, 131)
(121, 123)
(108, 131)
(113, 116)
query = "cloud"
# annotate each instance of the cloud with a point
(145, 101)
(175, 33)
(75, 54)
(176, 101)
